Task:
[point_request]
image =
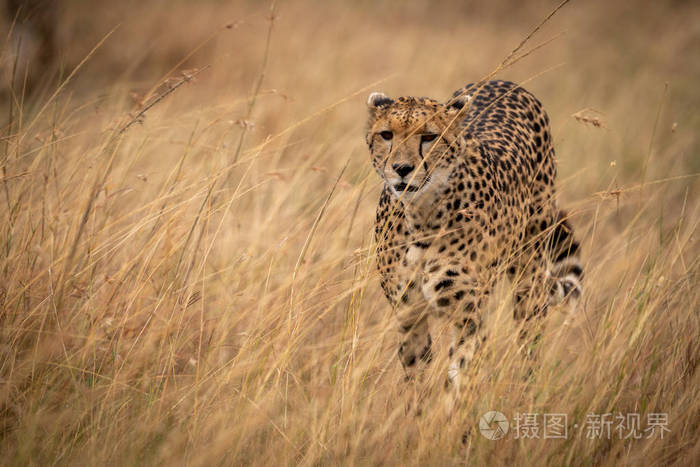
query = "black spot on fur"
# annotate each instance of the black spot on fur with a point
(444, 284)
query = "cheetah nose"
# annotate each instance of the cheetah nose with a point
(403, 169)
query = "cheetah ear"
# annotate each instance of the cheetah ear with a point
(457, 103)
(377, 100)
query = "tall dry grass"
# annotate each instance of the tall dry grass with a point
(200, 288)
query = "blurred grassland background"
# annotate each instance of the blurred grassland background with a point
(200, 288)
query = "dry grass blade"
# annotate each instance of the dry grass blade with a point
(310, 237)
(590, 116)
(138, 118)
(509, 59)
(258, 84)
(68, 79)
(200, 289)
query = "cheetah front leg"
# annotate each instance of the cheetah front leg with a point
(414, 342)
(414, 332)
(460, 298)
(414, 351)
(467, 336)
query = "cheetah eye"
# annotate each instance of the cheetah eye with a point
(428, 138)
(387, 135)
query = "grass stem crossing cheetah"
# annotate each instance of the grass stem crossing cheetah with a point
(468, 196)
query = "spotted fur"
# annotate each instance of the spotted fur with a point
(468, 195)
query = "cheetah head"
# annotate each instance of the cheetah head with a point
(413, 142)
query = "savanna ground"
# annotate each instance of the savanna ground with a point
(200, 289)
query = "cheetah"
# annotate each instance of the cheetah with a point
(468, 196)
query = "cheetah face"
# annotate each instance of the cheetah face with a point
(412, 142)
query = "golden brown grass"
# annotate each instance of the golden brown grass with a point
(200, 289)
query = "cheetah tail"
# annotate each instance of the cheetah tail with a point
(566, 268)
